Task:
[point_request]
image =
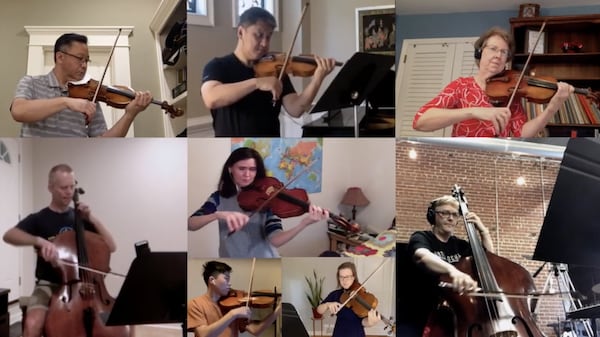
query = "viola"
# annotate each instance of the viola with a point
(537, 89)
(269, 193)
(272, 64)
(115, 96)
(362, 303)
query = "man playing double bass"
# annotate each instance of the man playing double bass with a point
(434, 254)
(39, 229)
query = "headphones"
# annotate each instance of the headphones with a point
(478, 48)
(431, 212)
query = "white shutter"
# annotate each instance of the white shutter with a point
(426, 67)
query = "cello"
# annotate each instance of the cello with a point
(76, 307)
(496, 314)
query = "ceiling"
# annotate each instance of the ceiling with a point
(404, 7)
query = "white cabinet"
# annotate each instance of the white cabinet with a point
(426, 66)
(172, 77)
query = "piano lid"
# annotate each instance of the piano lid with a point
(291, 324)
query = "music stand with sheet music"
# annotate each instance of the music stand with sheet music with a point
(154, 291)
(356, 80)
(572, 222)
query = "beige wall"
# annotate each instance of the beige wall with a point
(138, 13)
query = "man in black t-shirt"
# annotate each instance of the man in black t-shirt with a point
(40, 229)
(433, 253)
(241, 103)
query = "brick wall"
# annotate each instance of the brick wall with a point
(514, 214)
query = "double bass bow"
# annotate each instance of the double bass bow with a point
(496, 314)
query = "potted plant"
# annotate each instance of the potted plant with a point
(314, 295)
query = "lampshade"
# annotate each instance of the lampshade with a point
(355, 197)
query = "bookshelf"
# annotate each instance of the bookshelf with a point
(578, 65)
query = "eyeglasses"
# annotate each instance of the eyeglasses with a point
(81, 59)
(346, 277)
(447, 214)
(503, 52)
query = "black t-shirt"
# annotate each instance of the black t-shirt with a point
(418, 292)
(48, 224)
(252, 116)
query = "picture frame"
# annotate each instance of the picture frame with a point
(200, 12)
(376, 29)
(239, 6)
(529, 10)
(530, 38)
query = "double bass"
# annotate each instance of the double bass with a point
(76, 307)
(496, 314)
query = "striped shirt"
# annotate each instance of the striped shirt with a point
(65, 123)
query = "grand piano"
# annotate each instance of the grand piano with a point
(291, 325)
(367, 83)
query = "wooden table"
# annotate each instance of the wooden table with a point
(335, 239)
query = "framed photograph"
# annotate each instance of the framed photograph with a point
(240, 6)
(531, 37)
(529, 10)
(376, 29)
(200, 12)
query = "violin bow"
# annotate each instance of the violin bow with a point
(362, 285)
(287, 56)
(106, 68)
(77, 265)
(521, 75)
(250, 282)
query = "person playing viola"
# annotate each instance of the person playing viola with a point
(39, 229)
(464, 104)
(204, 316)
(42, 105)
(347, 323)
(434, 253)
(242, 236)
(242, 104)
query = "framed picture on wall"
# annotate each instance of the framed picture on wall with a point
(376, 29)
(200, 12)
(240, 6)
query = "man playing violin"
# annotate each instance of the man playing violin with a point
(347, 323)
(243, 104)
(205, 317)
(242, 236)
(464, 104)
(42, 105)
(434, 253)
(39, 229)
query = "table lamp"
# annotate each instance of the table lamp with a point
(354, 196)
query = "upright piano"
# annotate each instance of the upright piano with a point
(292, 325)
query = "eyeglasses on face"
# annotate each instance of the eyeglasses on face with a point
(345, 277)
(81, 59)
(503, 52)
(447, 214)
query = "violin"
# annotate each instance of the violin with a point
(537, 89)
(271, 65)
(260, 196)
(115, 96)
(362, 303)
(239, 298)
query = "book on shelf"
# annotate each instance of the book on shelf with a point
(577, 109)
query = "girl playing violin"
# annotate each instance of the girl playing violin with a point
(464, 104)
(241, 103)
(347, 323)
(239, 234)
(205, 318)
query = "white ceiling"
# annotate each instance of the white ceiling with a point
(404, 7)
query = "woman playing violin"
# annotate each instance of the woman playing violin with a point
(206, 319)
(239, 234)
(42, 106)
(464, 104)
(347, 323)
(435, 252)
(241, 103)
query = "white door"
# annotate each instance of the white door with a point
(426, 66)
(9, 214)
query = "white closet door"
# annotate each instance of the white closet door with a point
(426, 66)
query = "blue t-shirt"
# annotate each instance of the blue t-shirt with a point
(347, 323)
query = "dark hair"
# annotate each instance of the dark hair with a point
(227, 186)
(503, 34)
(346, 265)
(254, 14)
(66, 40)
(214, 268)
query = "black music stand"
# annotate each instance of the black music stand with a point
(359, 76)
(572, 223)
(154, 291)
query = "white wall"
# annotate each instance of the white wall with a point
(367, 163)
(137, 187)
